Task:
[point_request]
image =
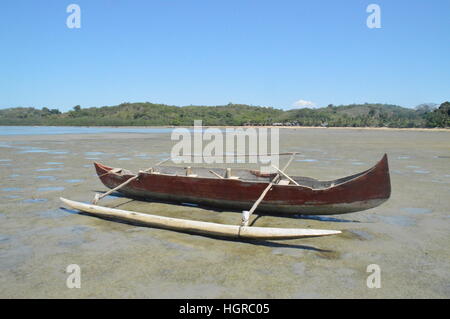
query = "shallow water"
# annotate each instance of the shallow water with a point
(35, 200)
(415, 210)
(10, 189)
(52, 130)
(49, 189)
(11, 196)
(39, 237)
(93, 153)
(398, 220)
(48, 169)
(74, 180)
(50, 178)
(418, 171)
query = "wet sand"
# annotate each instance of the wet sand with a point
(407, 236)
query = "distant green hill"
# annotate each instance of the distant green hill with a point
(149, 114)
(374, 115)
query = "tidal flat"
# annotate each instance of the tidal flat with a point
(407, 237)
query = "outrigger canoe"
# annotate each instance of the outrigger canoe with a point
(274, 193)
(218, 187)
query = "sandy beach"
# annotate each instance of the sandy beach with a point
(407, 236)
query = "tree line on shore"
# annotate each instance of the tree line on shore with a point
(150, 114)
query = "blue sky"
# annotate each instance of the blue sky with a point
(210, 52)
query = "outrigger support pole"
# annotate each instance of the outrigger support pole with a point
(246, 214)
(97, 196)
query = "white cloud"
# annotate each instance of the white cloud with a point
(303, 103)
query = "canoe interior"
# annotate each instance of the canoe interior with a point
(242, 174)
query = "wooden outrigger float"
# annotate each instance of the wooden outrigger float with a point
(247, 189)
(199, 227)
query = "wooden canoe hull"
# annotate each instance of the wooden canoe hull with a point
(366, 190)
(199, 227)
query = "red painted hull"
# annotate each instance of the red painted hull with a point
(354, 193)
